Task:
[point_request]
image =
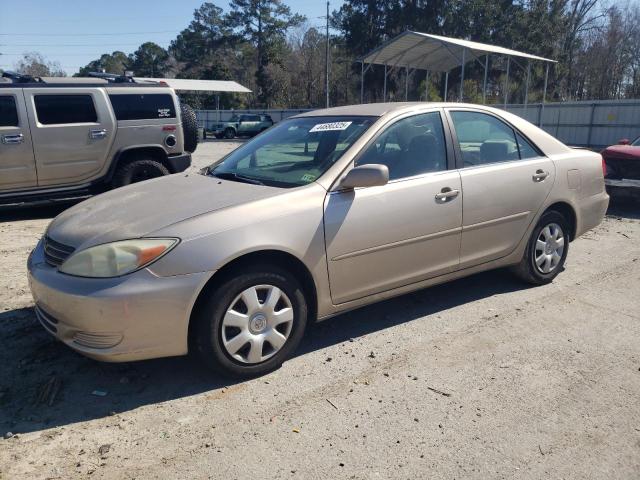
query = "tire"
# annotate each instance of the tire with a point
(229, 133)
(137, 171)
(189, 128)
(551, 258)
(243, 358)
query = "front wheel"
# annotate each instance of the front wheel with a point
(251, 322)
(546, 251)
(229, 133)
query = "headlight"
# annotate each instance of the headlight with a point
(117, 258)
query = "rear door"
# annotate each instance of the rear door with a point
(72, 131)
(505, 180)
(17, 163)
(250, 124)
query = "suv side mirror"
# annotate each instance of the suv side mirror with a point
(624, 141)
(372, 175)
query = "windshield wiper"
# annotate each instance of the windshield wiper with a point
(235, 177)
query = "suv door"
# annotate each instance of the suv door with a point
(505, 180)
(17, 164)
(72, 131)
(380, 238)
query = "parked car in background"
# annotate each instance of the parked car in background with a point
(63, 138)
(326, 212)
(245, 125)
(623, 167)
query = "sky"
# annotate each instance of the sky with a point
(74, 32)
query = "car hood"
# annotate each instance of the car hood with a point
(622, 151)
(140, 209)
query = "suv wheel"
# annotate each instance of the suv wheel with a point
(229, 133)
(251, 323)
(546, 251)
(137, 171)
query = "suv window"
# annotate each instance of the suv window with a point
(266, 118)
(251, 118)
(142, 107)
(8, 111)
(409, 147)
(61, 109)
(484, 139)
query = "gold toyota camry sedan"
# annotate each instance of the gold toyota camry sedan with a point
(322, 213)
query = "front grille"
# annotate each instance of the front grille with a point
(56, 253)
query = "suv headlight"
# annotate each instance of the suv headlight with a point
(117, 258)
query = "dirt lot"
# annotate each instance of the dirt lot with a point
(481, 378)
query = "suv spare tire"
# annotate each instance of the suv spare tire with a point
(189, 128)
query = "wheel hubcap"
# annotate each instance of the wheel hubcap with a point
(549, 248)
(257, 324)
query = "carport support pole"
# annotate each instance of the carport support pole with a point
(464, 51)
(506, 83)
(484, 83)
(446, 85)
(406, 83)
(384, 93)
(362, 83)
(426, 88)
(544, 95)
(526, 86)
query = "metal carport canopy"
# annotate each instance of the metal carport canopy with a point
(216, 86)
(435, 53)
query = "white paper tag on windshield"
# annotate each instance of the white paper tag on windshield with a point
(327, 127)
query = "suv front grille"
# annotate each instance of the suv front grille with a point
(56, 253)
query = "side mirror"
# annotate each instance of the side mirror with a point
(624, 141)
(372, 175)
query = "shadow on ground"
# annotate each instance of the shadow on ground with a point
(32, 361)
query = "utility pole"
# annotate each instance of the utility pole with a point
(327, 59)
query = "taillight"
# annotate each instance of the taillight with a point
(604, 168)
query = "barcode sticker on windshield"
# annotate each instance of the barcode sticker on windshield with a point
(327, 127)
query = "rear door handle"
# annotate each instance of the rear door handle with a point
(540, 175)
(12, 139)
(446, 194)
(97, 134)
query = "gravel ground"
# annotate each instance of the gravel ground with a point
(480, 378)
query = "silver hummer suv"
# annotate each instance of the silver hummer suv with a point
(64, 138)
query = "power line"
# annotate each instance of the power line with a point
(66, 44)
(83, 34)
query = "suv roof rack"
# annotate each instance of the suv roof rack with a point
(16, 77)
(113, 77)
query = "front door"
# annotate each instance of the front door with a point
(380, 238)
(17, 164)
(505, 180)
(72, 131)
(249, 124)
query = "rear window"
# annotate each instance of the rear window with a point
(143, 106)
(61, 109)
(8, 111)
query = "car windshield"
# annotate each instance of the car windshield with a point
(636, 142)
(294, 152)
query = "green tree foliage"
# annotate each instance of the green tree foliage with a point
(115, 62)
(149, 60)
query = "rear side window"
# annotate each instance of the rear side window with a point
(143, 106)
(61, 109)
(526, 149)
(8, 111)
(484, 139)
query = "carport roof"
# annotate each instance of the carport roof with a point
(198, 85)
(435, 53)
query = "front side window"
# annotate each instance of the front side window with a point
(294, 152)
(8, 111)
(142, 107)
(64, 109)
(484, 139)
(411, 146)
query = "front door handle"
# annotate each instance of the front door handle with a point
(540, 175)
(12, 139)
(97, 134)
(446, 194)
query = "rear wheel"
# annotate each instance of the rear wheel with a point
(251, 323)
(546, 251)
(137, 171)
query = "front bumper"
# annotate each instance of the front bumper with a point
(179, 163)
(134, 317)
